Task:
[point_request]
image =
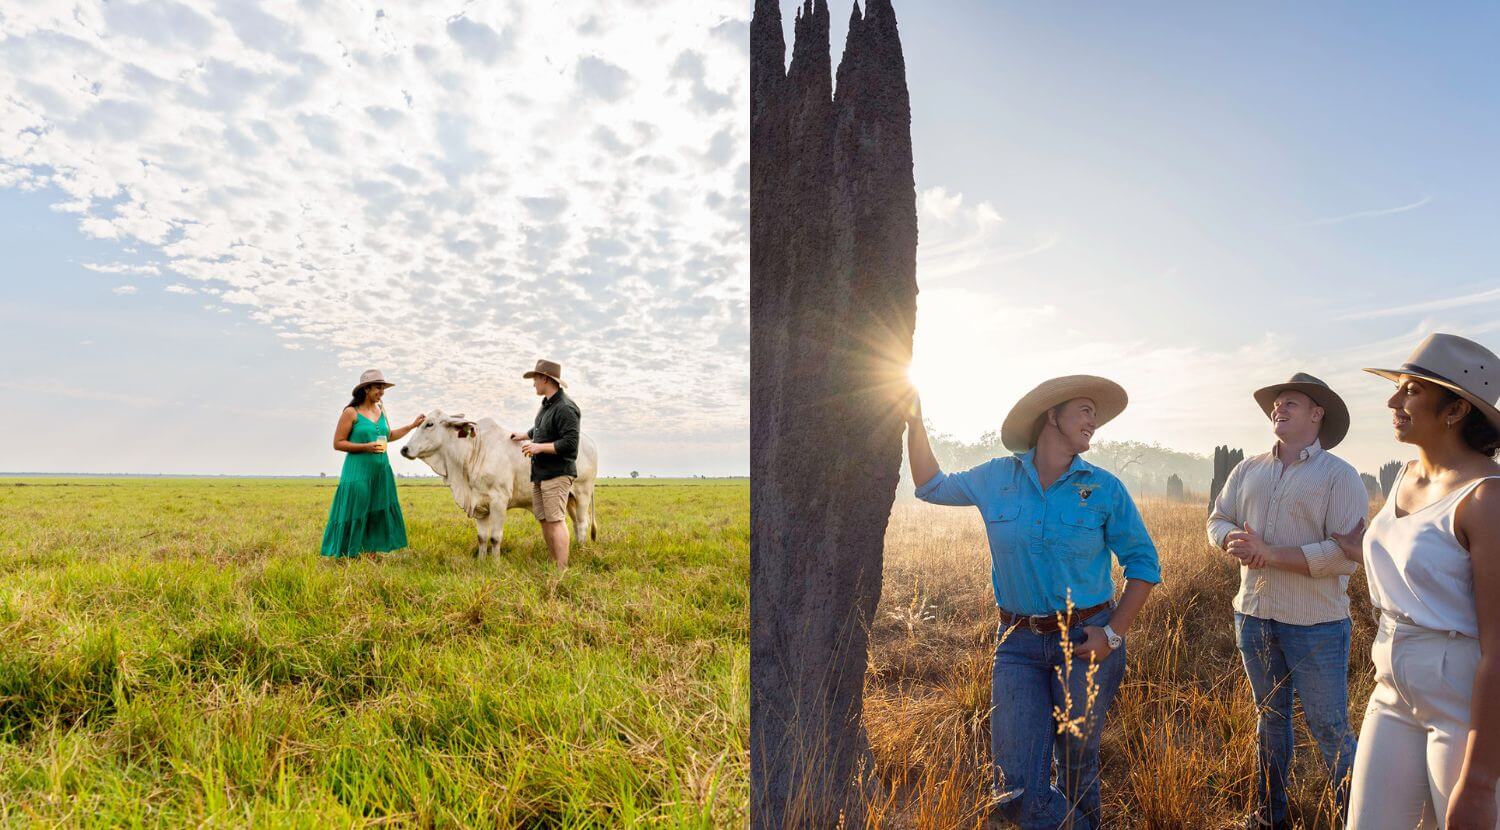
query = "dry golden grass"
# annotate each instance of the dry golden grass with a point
(1179, 747)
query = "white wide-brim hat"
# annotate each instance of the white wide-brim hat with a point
(1019, 432)
(1459, 364)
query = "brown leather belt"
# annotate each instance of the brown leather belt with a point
(1047, 623)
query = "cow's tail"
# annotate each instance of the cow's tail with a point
(593, 523)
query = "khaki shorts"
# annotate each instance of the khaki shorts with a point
(549, 499)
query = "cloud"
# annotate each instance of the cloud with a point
(1469, 300)
(478, 41)
(1334, 220)
(159, 22)
(960, 239)
(119, 268)
(124, 289)
(446, 197)
(602, 79)
(689, 67)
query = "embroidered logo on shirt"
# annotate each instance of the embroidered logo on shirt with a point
(1084, 491)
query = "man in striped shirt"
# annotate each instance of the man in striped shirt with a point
(1276, 515)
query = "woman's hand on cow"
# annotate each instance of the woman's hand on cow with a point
(417, 421)
(518, 436)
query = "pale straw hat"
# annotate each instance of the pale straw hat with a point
(1459, 364)
(371, 376)
(1019, 432)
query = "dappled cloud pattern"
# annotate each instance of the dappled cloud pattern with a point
(445, 190)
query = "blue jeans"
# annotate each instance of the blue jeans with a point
(1313, 662)
(1029, 680)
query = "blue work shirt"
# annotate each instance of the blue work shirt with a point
(1042, 543)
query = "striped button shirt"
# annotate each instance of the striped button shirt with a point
(1299, 505)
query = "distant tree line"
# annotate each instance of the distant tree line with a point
(1145, 469)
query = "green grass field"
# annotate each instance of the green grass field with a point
(175, 652)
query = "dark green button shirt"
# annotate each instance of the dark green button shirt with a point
(557, 423)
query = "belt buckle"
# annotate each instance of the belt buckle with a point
(1031, 622)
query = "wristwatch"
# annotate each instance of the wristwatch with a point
(1115, 640)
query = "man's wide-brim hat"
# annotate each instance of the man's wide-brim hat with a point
(371, 376)
(1335, 412)
(1459, 364)
(1022, 425)
(547, 368)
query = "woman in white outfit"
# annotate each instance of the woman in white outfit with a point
(1429, 749)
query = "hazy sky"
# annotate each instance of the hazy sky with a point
(1197, 200)
(213, 217)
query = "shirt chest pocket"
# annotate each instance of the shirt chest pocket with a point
(1000, 515)
(1081, 530)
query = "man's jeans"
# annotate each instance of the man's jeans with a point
(1029, 679)
(1313, 661)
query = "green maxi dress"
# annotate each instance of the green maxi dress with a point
(365, 516)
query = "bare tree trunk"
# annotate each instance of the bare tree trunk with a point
(833, 305)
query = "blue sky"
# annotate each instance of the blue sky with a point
(216, 215)
(1197, 200)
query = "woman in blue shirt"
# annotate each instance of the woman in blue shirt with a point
(1052, 520)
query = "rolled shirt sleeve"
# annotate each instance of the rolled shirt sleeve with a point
(1222, 519)
(955, 489)
(1347, 504)
(1125, 533)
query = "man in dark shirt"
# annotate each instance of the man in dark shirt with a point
(552, 446)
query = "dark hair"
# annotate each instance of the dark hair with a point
(1477, 431)
(359, 397)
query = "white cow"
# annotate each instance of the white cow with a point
(488, 474)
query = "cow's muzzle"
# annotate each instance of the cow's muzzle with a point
(405, 452)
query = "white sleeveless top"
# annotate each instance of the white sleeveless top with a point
(1417, 569)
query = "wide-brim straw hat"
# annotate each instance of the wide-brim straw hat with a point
(1458, 364)
(1335, 412)
(1019, 432)
(371, 376)
(547, 368)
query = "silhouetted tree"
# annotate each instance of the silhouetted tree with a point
(1371, 485)
(1174, 487)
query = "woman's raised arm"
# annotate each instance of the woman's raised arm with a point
(400, 432)
(924, 465)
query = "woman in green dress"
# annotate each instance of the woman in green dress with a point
(366, 516)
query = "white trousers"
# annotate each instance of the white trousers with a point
(1416, 728)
